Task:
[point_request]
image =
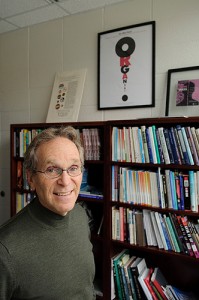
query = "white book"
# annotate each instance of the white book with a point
(141, 278)
(161, 231)
(156, 230)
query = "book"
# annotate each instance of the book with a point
(146, 152)
(168, 144)
(156, 230)
(173, 146)
(147, 280)
(140, 231)
(131, 280)
(156, 143)
(164, 145)
(158, 220)
(149, 229)
(184, 221)
(116, 261)
(192, 145)
(185, 236)
(149, 145)
(172, 234)
(182, 143)
(159, 281)
(193, 193)
(179, 147)
(186, 186)
(195, 138)
(178, 233)
(130, 294)
(152, 142)
(166, 233)
(145, 273)
(135, 271)
(191, 161)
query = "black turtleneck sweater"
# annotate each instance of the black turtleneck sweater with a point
(46, 256)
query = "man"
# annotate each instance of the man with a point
(45, 252)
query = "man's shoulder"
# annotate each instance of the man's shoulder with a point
(14, 223)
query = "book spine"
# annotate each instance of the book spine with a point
(166, 134)
(185, 154)
(156, 143)
(192, 145)
(178, 233)
(179, 147)
(191, 162)
(193, 196)
(149, 146)
(192, 243)
(173, 147)
(185, 237)
(164, 146)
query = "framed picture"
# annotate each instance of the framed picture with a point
(182, 98)
(126, 67)
(66, 96)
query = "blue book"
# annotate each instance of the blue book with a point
(173, 146)
(149, 146)
(173, 190)
(166, 234)
(166, 135)
(181, 191)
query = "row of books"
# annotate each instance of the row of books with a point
(158, 145)
(22, 200)
(91, 142)
(161, 188)
(133, 279)
(90, 138)
(22, 139)
(169, 232)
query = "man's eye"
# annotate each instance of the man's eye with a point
(51, 170)
(74, 168)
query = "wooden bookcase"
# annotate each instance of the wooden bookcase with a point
(179, 269)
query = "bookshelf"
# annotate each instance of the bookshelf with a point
(180, 269)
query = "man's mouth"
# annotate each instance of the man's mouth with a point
(63, 193)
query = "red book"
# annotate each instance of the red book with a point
(147, 280)
(158, 281)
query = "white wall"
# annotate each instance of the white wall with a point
(30, 57)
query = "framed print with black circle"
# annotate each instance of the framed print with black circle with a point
(182, 97)
(126, 67)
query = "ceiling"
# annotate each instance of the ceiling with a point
(15, 14)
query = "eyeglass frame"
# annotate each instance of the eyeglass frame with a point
(81, 168)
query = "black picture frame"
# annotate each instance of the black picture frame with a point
(182, 96)
(126, 67)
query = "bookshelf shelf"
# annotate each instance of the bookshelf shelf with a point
(184, 267)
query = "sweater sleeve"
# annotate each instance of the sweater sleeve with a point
(6, 275)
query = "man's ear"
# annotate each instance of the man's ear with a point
(30, 180)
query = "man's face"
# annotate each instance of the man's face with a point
(58, 194)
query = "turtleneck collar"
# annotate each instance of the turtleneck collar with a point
(46, 217)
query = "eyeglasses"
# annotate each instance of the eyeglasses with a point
(54, 172)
